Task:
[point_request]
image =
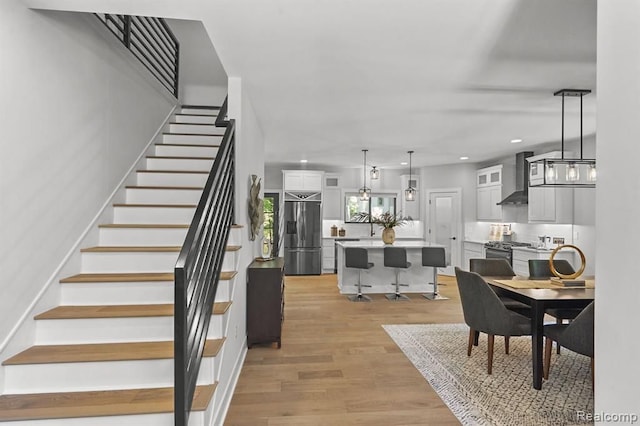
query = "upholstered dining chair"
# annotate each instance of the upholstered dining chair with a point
(576, 336)
(485, 313)
(499, 268)
(539, 268)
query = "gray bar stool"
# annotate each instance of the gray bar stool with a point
(434, 257)
(356, 257)
(396, 257)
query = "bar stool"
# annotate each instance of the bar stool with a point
(356, 257)
(434, 257)
(396, 257)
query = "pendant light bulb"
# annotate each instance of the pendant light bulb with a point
(551, 173)
(410, 192)
(573, 174)
(592, 175)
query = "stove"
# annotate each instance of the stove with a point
(502, 249)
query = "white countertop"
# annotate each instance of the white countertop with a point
(378, 243)
(375, 237)
(532, 249)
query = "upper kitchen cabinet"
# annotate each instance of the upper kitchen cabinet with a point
(332, 197)
(489, 193)
(302, 180)
(410, 208)
(551, 205)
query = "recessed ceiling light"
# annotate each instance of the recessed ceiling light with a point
(516, 140)
(464, 158)
(304, 161)
(404, 163)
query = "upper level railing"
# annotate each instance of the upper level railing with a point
(197, 273)
(152, 42)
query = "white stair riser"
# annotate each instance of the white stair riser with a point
(93, 262)
(191, 139)
(110, 330)
(196, 129)
(90, 294)
(142, 236)
(185, 151)
(200, 111)
(87, 376)
(117, 293)
(153, 215)
(187, 164)
(235, 236)
(198, 119)
(172, 179)
(163, 196)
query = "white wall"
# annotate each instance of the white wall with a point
(618, 208)
(453, 176)
(76, 113)
(203, 80)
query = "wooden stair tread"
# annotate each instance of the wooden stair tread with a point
(96, 403)
(119, 277)
(142, 225)
(233, 248)
(166, 157)
(128, 249)
(196, 145)
(199, 107)
(132, 277)
(98, 352)
(237, 226)
(173, 171)
(118, 311)
(194, 124)
(184, 206)
(192, 188)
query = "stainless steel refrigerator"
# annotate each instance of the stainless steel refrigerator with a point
(302, 238)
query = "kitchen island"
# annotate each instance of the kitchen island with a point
(381, 278)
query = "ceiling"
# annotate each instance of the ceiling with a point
(444, 78)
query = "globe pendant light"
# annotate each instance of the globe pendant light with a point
(364, 191)
(575, 169)
(410, 192)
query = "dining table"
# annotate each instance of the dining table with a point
(540, 295)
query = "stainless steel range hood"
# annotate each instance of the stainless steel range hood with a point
(521, 194)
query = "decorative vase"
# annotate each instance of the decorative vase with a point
(388, 235)
(266, 248)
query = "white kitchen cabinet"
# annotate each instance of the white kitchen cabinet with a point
(521, 258)
(550, 205)
(328, 255)
(489, 193)
(410, 208)
(302, 180)
(472, 250)
(332, 197)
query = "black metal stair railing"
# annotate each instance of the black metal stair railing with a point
(197, 273)
(152, 42)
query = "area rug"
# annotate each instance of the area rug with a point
(506, 397)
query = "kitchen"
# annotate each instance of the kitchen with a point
(573, 223)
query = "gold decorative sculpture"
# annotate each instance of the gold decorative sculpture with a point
(256, 208)
(568, 278)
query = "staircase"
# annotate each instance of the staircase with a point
(105, 355)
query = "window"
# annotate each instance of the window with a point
(270, 227)
(375, 206)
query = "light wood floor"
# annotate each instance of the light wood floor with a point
(337, 366)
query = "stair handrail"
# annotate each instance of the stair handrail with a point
(152, 42)
(197, 273)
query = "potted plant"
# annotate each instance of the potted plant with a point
(388, 221)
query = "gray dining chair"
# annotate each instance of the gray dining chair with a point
(484, 313)
(576, 336)
(539, 268)
(499, 268)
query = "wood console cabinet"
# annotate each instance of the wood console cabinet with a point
(265, 301)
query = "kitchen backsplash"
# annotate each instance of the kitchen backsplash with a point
(522, 232)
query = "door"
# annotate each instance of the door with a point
(272, 220)
(444, 223)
